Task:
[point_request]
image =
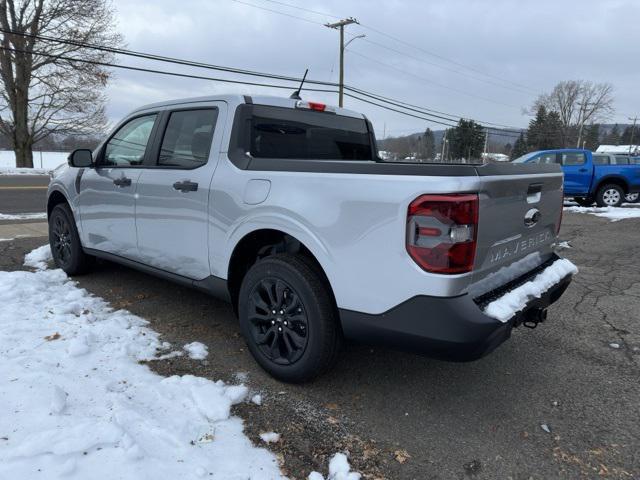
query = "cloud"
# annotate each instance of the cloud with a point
(525, 47)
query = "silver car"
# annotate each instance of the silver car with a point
(283, 208)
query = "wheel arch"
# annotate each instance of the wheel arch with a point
(261, 243)
(56, 197)
(613, 179)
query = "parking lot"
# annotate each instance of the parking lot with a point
(560, 401)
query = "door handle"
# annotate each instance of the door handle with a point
(582, 170)
(122, 182)
(186, 186)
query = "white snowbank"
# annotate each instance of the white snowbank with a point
(629, 210)
(270, 437)
(43, 162)
(78, 404)
(339, 469)
(23, 216)
(39, 257)
(196, 350)
(512, 302)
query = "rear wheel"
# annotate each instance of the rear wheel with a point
(65, 243)
(632, 197)
(288, 318)
(610, 195)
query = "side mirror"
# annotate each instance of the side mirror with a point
(80, 158)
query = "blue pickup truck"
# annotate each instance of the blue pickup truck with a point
(592, 177)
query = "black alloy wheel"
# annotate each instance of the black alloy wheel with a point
(279, 323)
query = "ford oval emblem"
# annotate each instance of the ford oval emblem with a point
(532, 217)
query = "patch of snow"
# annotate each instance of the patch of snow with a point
(562, 245)
(257, 399)
(614, 345)
(167, 356)
(38, 258)
(102, 414)
(545, 427)
(23, 216)
(512, 302)
(270, 437)
(196, 350)
(339, 469)
(46, 161)
(629, 210)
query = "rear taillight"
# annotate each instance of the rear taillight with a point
(442, 232)
(561, 210)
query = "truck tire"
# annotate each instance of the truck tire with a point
(288, 318)
(64, 240)
(632, 197)
(610, 195)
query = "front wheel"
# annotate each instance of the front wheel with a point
(632, 197)
(288, 318)
(610, 195)
(64, 240)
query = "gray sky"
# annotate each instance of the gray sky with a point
(485, 60)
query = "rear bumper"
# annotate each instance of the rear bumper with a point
(449, 328)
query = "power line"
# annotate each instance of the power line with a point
(430, 81)
(404, 105)
(442, 57)
(163, 72)
(518, 87)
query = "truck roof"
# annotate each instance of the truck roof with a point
(237, 98)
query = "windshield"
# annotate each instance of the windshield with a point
(524, 158)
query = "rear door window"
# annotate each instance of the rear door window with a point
(601, 159)
(187, 138)
(287, 133)
(573, 158)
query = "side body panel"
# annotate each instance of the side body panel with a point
(172, 225)
(578, 178)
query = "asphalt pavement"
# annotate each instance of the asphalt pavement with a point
(23, 193)
(560, 401)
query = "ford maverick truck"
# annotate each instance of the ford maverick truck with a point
(283, 208)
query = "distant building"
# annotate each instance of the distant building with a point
(619, 149)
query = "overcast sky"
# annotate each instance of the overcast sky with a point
(485, 60)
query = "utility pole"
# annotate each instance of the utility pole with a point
(340, 26)
(633, 127)
(444, 143)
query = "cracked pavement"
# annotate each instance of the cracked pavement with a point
(402, 416)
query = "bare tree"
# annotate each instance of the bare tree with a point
(43, 91)
(578, 103)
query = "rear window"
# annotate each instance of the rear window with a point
(274, 132)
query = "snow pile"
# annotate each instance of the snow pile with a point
(196, 350)
(339, 469)
(76, 402)
(612, 213)
(270, 437)
(45, 160)
(23, 216)
(512, 302)
(39, 257)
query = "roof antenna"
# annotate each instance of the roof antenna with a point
(296, 95)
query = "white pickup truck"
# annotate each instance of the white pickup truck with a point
(283, 208)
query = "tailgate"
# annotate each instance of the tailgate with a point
(520, 207)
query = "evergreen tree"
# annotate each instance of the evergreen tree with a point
(613, 137)
(592, 137)
(519, 147)
(626, 139)
(537, 131)
(554, 138)
(428, 145)
(466, 140)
